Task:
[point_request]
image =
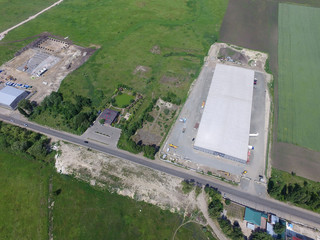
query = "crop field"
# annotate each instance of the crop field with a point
(257, 28)
(299, 86)
(126, 33)
(80, 211)
(15, 11)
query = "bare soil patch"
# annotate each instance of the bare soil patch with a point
(125, 178)
(141, 69)
(292, 158)
(167, 79)
(155, 49)
(227, 53)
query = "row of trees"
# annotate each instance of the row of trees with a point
(20, 140)
(76, 114)
(301, 194)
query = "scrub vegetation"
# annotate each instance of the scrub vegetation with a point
(297, 190)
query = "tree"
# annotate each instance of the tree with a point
(23, 112)
(25, 105)
(149, 151)
(102, 121)
(279, 228)
(260, 235)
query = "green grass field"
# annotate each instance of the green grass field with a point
(15, 11)
(80, 211)
(123, 99)
(191, 231)
(299, 85)
(23, 198)
(126, 31)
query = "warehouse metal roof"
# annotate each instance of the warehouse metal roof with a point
(225, 123)
(10, 95)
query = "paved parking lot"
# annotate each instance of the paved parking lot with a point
(104, 134)
(183, 134)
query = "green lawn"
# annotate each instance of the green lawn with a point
(15, 11)
(23, 198)
(80, 211)
(123, 100)
(126, 31)
(299, 85)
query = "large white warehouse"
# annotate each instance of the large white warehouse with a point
(10, 97)
(225, 123)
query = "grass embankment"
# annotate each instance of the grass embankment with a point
(191, 231)
(15, 11)
(23, 198)
(298, 190)
(298, 76)
(169, 38)
(80, 211)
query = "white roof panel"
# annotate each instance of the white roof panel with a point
(9, 94)
(225, 123)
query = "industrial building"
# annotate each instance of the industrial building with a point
(10, 97)
(225, 123)
(109, 115)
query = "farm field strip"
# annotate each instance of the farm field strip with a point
(299, 47)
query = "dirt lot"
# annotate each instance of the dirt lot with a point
(153, 132)
(257, 28)
(59, 56)
(124, 177)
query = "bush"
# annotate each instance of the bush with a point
(149, 118)
(279, 228)
(149, 151)
(173, 98)
(260, 235)
(232, 231)
(187, 186)
(102, 121)
(267, 66)
(227, 201)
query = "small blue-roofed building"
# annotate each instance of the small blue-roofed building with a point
(10, 97)
(254, 217)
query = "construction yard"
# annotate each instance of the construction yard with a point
(41, 66)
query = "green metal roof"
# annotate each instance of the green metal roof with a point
(253, 216)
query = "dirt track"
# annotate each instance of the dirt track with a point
(4, 33)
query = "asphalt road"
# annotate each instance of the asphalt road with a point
(265, 204)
